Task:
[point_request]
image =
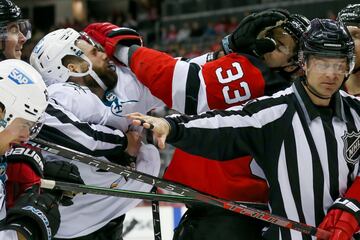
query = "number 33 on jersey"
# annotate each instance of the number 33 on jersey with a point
(196, 86)
(235, 79)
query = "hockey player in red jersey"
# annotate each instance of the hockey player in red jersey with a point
(317, 119)
(197, 85)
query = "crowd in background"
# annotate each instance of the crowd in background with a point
(185, 38)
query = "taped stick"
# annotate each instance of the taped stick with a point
(178, 188)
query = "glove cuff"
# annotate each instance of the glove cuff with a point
(225, 44)
(27, 216)
(349, 205)
(26, 155)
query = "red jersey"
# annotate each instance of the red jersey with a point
(191, 87)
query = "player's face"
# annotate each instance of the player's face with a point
(284, 51)
(101, 64)
(14, 41)
(16, 132)
(355, 34)
(325, 75)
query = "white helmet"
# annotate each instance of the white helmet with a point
(23, 92)
(47, 57)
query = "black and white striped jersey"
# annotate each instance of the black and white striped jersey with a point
(309, 154)
(63, 125)
(78, 119)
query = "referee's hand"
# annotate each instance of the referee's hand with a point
(159, 126)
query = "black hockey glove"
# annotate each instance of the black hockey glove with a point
(36, 216)
(63, 171)
(244, 38)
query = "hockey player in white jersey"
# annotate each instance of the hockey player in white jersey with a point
(84, 115)
(23, 99)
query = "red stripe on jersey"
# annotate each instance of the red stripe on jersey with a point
(354, 190)
(155, 70)
(231, 179)
(232, 80)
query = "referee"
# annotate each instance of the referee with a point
(306, 138)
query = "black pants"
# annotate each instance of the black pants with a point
(111, 231)
(202, 222)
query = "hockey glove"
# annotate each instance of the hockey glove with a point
(25, 169)
(63, 171)
(109, 35)
(244, 38)
(343, 219)
(34, 215)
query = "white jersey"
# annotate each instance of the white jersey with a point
(77, 116)
(5, 234)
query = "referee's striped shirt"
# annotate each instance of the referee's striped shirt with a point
(309, 154)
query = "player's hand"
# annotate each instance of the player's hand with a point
(244, 39)
(63, 171)
(109, 35)
(34, 215)
(341, 223)
(159, 126)
(134, 142)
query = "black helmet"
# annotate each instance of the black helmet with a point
(296, 25)
(350, 15)
(327, 37)
(9, 12)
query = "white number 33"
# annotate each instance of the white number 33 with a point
(233, 77)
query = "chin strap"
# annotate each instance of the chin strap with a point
(90, 72)
(98, 80)
(313, 91)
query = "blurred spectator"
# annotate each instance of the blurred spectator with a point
(233, 22)
(209, 30)
(171, 34)
(220, 27)
(196, 31)
(184, 32)
(194, 52)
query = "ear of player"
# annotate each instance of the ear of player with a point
(109, 36)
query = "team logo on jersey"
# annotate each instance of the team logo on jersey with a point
(19, 77)
(115, 103)
(351, 147)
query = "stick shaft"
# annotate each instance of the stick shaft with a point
(177, 188)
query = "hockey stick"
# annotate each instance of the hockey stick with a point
(155, 208)
(80, 188)
(178, 188)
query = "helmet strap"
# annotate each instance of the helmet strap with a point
(313, 91)
(98, 80)
(90, 72)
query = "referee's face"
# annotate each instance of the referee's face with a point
(325, 74)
